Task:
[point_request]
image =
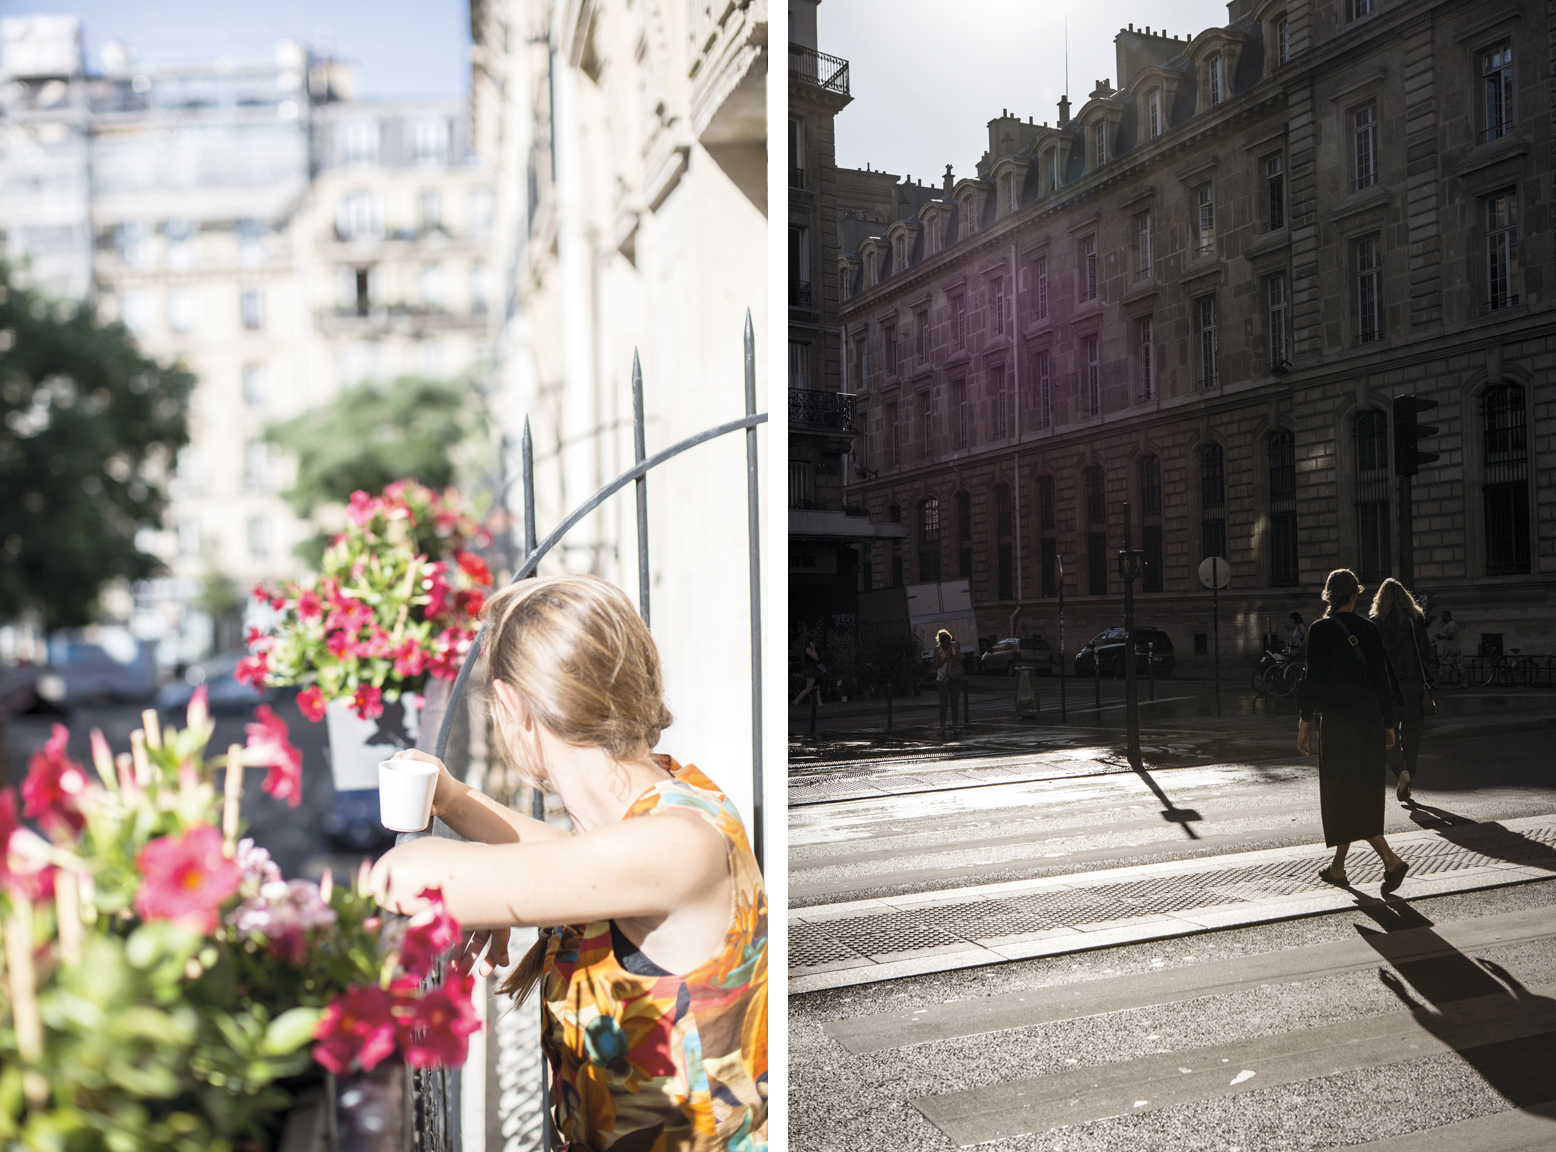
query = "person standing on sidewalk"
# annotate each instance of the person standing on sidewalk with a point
(814, 670)
(1402, 625)
(949, 674)
(1298, 642)
(1448, 648)
(1348, 692)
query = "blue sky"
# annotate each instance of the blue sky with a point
(399, 47)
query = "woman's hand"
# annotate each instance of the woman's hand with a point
(466, 958)
(1304, 738)
(402, 874)
(447, 787)
(1388, 738)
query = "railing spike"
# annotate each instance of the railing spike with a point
(639, 448)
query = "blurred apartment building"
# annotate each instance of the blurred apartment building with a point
(280, 237)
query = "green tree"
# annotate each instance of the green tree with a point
(91, 431)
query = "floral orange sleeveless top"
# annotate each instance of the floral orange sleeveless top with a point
(644, 1060)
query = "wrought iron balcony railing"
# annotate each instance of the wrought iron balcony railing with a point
(812, 410)
(799, 293)
(812, 67)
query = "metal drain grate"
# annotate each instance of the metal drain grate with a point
(809, 947)
(893, 932)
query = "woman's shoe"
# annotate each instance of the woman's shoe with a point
(1394, 877)
(1328, 877)
(1403, 791)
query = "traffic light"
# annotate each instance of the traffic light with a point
(1408, 435)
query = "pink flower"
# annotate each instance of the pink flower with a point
(475, 568)
(439, 593)
(8, 824)
(311, 701)
(409, 660)
(309, 606)
(51, 794)
(362, 508)
(261, 593)
(435, 1031)
(284, 912)
(357, 1028)
(268, 740)
(341, 644)
(252, 670)
(428, 936)
(186, 878)
(258, 639)
(368, 701)
(448, 652)
(377, 643)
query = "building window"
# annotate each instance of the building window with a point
(429, 141)
(1205, 313)
(895, 427)
(1275, 191)
(929, 422)
(1089, 268)
(479, 287)
(799, 364)
(1096, 533)
(1040, 275)
(1282, 39)
(252, 308)
(862, 355)
(929, 541)
(959, 389)
(1360, 8)
(1047, 526)
(997, 295)
(959, 318)
(182, 310)
(1369, 302)
(1372, 494)
(1212, 501)
(1153, 111)
(1278, 311)
(1151, 522)
(259, 537)
(1001, 404)
(359, 216)
(429, 286)
(796, 154)
(799, 268)
(1497, 91)
(1053, 169)
(429, 209)
(889, 339)
(799, 484)
(361, 142)
(1006, 565)
(256, 466)
(1099, 136)
(1143, 246)
(1283, 510)
(1502, 249)
(1364, 137)
(1506, 489)
(1045, 392)
(1010, 193)
(921, 335)
(1093, 377)
(1205, 244)
(1147, 334)
(1217, 85)
(964, 535)
(254, 385)
(970, 213)
(479, 211)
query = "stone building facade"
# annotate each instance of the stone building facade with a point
(1198, 293)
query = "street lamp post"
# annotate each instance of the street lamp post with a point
(1059, 565)
(1129, 563)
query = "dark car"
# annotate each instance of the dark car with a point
(1013, 655)
(1152, 646)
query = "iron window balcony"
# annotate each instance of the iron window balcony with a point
(813, 410)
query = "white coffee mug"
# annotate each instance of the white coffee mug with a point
(405, 790)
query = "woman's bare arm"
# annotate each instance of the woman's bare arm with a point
(476, 816)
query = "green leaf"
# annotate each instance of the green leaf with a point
(290, 1031)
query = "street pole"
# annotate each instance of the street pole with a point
(1131, 696)
(1215, 601)
(1059, 563)
(1407, 543)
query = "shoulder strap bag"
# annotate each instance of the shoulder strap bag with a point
(1428, 702)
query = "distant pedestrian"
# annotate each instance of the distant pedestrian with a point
(949, 676)
(814, 670)
(1348, 692)
(1403, 627)
(1447, 638)
(1298, 639)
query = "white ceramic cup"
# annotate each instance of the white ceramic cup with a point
(405, 790)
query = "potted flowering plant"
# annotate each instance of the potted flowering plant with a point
(393, 606)
(164, 987)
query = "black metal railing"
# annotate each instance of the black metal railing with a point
(799, 293)
(435, 1097)
(796, 177)
(812, 410)
(812, 67)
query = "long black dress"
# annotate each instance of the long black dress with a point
(1353, 705)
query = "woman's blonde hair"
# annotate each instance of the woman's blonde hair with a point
(1340, 588)
(943, 638)
(583, 664)
(1395, 597)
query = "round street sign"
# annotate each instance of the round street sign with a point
(1215, 572)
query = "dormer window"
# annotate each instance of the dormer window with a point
(899, 250)
(1360, 8)
(1282, 39)
(1010, 193)
(1153, 106)
(969, 214)
(1100, 141)
(1217, 85)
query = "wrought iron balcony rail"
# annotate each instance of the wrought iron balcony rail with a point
(813, 410)
(827, 72)
(799, 293)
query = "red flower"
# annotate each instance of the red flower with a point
(377, 643)
(429, 936)
(368, 701)
(269, 740)
(362, 508)
(358, 1027)
(8, 824)
(309, 606)
(471, 601)
(409, 660)
(435, 1030)
(438, 591)
(261, 593)
(311, 701)
(252, 670)
(186, 878)
(258, 639)
(341, 644)
(51, 793)
(475, 568)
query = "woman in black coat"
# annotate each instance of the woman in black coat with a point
(1348, 690)
(1402, 625)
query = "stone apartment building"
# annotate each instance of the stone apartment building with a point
(1197, 293)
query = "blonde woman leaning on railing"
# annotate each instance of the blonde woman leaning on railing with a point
(654, 987)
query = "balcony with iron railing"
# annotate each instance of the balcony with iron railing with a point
(799, 294)
(812, 410)
(808, 66)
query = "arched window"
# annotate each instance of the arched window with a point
(1047, 524)
(1005, 543)
(1151, 522)
(929, 541)
(1153, 111)
(1217, 81)
(1372, 494)
(1096, 532)
(964, 535)
(1506, 488)
(1283, 509)
(1212, 501)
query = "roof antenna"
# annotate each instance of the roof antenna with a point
(1066, 55)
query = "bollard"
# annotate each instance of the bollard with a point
(1096, 680)
(815, 705)
(966, 715)
(1026, 695)
(1150, 666)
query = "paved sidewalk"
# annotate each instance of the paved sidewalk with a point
(864, 941)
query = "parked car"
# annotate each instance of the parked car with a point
(111, 667)
(1011, 656)
(1152, 645)
(225, 693)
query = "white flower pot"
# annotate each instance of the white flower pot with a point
(357, 746)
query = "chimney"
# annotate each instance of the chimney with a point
(949, 179)
(1064, 111)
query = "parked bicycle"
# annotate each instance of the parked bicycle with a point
(1278, 673)
(1509, 671)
